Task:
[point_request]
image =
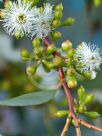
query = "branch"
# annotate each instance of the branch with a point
(65, 129)
(70, 101)
(90, 126)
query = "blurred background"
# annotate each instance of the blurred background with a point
(40, 121)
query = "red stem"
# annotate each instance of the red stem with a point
(67, 90)
(61, 74)
(64, 84)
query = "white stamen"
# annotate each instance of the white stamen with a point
(88, 58)
(19, 17)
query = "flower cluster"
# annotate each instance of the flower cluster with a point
(21, 18)
(42, 23)
(88, 58)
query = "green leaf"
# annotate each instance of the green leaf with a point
(30, 99)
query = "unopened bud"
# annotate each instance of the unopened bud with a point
(81, 93)
(38, 51)
(25, 53)
(88, 75)
(72, 82)
(36, 42)
(92, 114)
(69, 21)
(58, 14)
(97, 3)
(49, 65)
(18, 35)
(70, 53)
(31, 70)
(59, 7)
(56, 35)
(66, 45)
(81, 109)
(58, 61)
(70, 71)
(56, 23)
(61, 114)
(50, 49)
(88, 99)
(46, 69)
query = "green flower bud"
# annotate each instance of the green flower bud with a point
(59, 7)
(70, 53)
(72, 82)
(61, 114)
(69, 62)
(70, 71)
(56, 35)
(49, 65)
(25, 53)
(66, 45)
(58, 61)
(69, 21)
(81, 109)
(88, 75)
(56, 23)
(36, 42)
(88, 99)
(50, 49)
(38, 51)
(58, 15)
(18, 35)
(97, 3)
(81, 93)
(46, 69)
(92, 114)
(31, 70)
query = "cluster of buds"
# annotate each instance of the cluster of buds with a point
(80, 105)
(84, 60)
(58, 16)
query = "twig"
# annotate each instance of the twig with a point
(67, 124)
(70, 101)
(90, 126)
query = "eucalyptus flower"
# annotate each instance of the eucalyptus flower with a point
(88, 58)
(42, 23)
(18, 18)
